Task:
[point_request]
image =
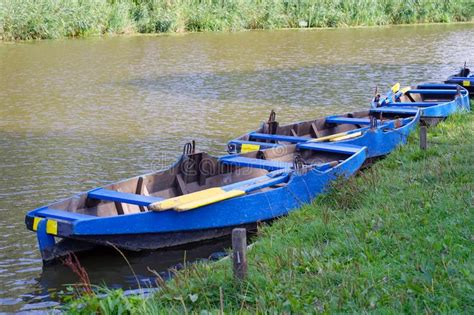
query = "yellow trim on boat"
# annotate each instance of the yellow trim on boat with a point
(349, 136)
(466, 83)
(52, 227)
(210, 200)
(176, 201)
(247, 147)
(395, 88)
(36, 221)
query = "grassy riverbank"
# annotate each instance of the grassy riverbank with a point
(42, 19)
(397, 238)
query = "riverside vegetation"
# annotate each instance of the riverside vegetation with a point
(396, 238)
(43, 19)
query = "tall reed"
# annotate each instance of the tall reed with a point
(38, 19)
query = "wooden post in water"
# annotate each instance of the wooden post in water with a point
(239, 249)
(423, 143)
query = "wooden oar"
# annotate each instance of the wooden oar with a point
(395, 88)
(338, 135)
(209, 200)
(349, 136)
(216, 194)
(176, 201)
(405, 89)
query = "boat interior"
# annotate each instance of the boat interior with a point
(197, 171)
(331, 128)
(432, 93)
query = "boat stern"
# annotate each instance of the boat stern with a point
(49, 224)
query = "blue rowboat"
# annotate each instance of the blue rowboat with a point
(464, 78)
(436, 101)
(199, 197)
(380, 130)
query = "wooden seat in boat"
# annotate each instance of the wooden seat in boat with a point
(441, 86)
(394, 110)
(116, 196)
(291, 139)
(417, 104)
(330, 147)
(242, 161)
(347, 120)
(432, 91)
(62, 215)
(268, 145)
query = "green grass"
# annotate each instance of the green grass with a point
(41, 19)
(397, 238)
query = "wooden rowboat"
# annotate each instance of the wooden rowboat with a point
(380, 130)
(464, 78)
(436, 101)
(199, 197)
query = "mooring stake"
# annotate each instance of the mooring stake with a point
(423, 143)
(239, 249)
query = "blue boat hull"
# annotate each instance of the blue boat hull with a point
(430, 110)
(153, 230)
(379, 141)
(465, 82)
(463, 78)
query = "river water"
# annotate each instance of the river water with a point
(76, 114)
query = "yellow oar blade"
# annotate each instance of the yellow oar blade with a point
(405, 89)
(349, 136)
(209, 200)
(174, 202)
(396, 88)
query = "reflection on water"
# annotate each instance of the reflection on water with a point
(75, 114)
(107, 266)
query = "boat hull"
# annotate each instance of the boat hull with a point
(154, 230)
(379, 141)
(465, 82)
(431, 114)
(137, 242)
